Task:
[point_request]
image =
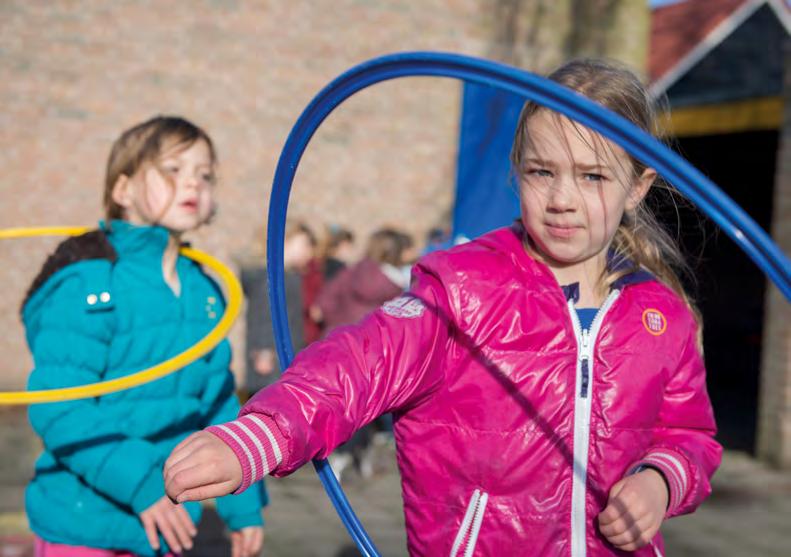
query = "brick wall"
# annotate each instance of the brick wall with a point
(74, 74)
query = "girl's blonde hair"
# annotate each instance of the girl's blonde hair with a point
(144, 144)
(639, 238)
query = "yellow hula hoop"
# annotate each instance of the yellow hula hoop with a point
(204, 345)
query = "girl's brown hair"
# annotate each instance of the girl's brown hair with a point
(639, 238)
(388, 245)
(334, 237)
(143, 144)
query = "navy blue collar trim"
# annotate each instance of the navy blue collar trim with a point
(571, 291)
(635, 275)
(615, 262)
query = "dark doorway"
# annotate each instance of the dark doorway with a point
(730, 289)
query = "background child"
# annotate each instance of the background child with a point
(546, 379)
(337, 250)
(115, 301)
(361, 288)
(298, 251)
(354, 292)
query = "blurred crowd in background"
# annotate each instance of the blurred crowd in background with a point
(331, 279)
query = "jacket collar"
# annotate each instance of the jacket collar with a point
(136, 241)
(634, 275)
(615, 262)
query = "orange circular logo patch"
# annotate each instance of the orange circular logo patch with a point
(654, 322)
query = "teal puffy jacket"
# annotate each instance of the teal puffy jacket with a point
(99, 319)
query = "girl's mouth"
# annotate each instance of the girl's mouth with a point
(561, 231)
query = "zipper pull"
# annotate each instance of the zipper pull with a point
(585, 378)
(585, 356)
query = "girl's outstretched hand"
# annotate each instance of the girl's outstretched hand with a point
(172, 521)
(201, 467)
(247, 542)
(635, 510)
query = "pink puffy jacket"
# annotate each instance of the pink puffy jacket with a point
(511, 425)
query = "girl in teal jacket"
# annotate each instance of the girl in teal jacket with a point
(112, 302)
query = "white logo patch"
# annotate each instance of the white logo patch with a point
(404, 306)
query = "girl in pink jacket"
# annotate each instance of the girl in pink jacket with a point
(546, 379)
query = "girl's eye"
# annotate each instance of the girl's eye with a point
(171, 169)
(540, 172)
(590, 177)
(208, 178)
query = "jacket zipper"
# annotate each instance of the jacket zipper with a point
(586, 343)
(471, 523)
(585, 357)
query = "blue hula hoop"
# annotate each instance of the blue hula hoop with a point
(686, 178)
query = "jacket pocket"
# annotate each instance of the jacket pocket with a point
(467, 536)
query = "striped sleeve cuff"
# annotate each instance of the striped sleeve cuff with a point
(673, 468)
(256, 441)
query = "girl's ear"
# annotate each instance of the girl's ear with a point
(122, 191)
(640, 188)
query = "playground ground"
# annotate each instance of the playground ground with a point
(748, 514)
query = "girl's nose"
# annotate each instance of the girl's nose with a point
(560, 196)
(192, 181)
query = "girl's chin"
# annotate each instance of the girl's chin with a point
(556, 258)
(182, 227)
(560, 262)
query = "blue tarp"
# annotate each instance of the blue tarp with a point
(486, 195)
